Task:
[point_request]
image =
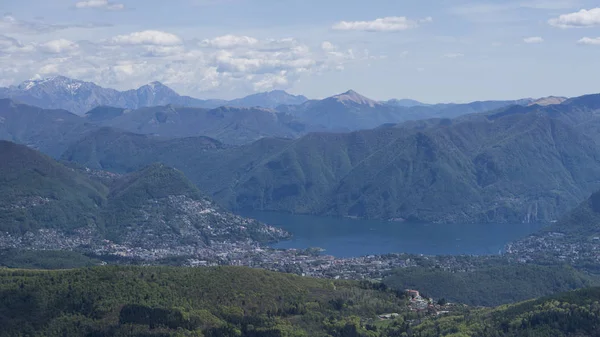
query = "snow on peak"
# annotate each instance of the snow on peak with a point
(59, 82)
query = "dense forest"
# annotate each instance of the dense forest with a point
(164, 301)
(492, 285)
(571, 314)
(238, 301)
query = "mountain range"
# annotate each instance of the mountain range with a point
(525, 161)
(518, 164)
(52, 130)
(60, 92)
(352, 111)
(344, 112)
(46, 205)
(227, 124)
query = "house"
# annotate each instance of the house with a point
(413, 293)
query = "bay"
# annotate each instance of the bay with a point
(345, 237)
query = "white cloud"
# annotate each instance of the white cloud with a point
(533, 39)
(583, 18)
(58, 46)
(128, 61)
(590, 41)
(272, 81)
(328, 46)
(9, 45)
(49, 69)
(11, 25)
(100, 4)
(229, 41)
(453, 55)
(147, 37)
(387, 24)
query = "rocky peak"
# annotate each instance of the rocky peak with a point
(352, 96)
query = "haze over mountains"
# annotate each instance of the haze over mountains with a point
(344, 112)
(518, 164)
(493, 161)
(79, 97)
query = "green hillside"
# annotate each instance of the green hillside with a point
(491, 285)
(573, 239)
(224, 301)
(48, 130)
(237, 301)
(511, 166)
(571, 314)
(37, 192)
(46, 205)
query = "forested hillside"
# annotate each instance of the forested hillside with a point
(514, 165)
(151, 213)
(571, 314)
(223, 301)
(492, 285)
(234, 301)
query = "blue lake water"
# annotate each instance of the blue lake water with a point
(344, 237)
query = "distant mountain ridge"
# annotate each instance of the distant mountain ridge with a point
(52, 130)
(350, 111)
(518, 164)
(61, 92)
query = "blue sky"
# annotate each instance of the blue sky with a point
(434, 51)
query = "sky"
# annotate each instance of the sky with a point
(432, 51)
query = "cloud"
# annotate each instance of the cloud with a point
(590, 41)
(477, 8)
(387, 24)
(11, 25)
(272, 81)
(328, 46)
(131, 60)
(9, 45)
(533, 39)
(58, 46)
(453, 55)
(583, 18)
(550, 4)
(147, 37)
(229, 41)
(100, 4)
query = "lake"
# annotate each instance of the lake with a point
(344, 237)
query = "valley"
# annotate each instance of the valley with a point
(212, 168)
(462, 209)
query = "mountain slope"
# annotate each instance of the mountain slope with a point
(79, 97)
(155, 210)
(573, 239)
(520, 164)
(37, 192)
(226, 124)
(60, 92)
(570, 314)
(150, 301)
(50, 131)
(352, 111)
(491, 285)
(271, 99)
(346, 111)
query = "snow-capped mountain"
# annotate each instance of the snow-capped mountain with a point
(61, 92)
